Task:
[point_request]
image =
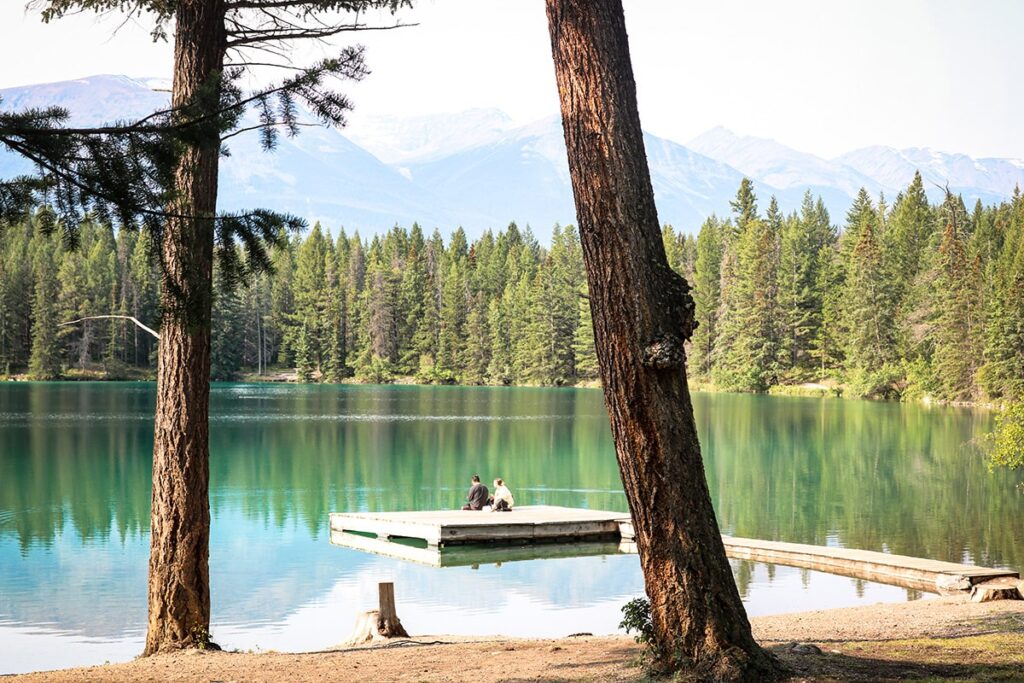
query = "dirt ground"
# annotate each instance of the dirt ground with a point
(933, 640)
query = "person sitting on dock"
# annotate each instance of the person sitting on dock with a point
(478, 495)
(502, 499)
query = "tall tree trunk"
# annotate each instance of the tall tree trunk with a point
(179, 576)
(642, 314)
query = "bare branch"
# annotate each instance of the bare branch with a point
(251, 36)
(261, 126)
(108, 317)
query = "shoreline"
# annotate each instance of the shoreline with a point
(804, 390)
(945, 637)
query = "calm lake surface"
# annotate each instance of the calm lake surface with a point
(75, 482)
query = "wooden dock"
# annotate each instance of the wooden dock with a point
(933, 576)
(451, 527)
(445, 538)
(475, 554)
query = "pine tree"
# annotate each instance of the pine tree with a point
(867, 316)
(451, 335)
(380, 322)
(955, 309)
(734, 293)
(282, 305)
(426, 341)
(477, 350)
(410, 303)
(1002, 375)
(304, 356)
(744, 206)
(563, 276)
(827, 351)
(161, 173)
(800, 298)
(16, 300)
(311, 290)
(533, 359)
(748, 358)
(675, 249)
(226, 329)
(45, 361)
(707, 297)
(500, 369)
(583, 343)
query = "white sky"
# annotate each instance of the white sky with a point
(824, 76)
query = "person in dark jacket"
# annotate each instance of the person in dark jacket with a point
(477, 496)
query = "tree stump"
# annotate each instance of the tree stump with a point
(388, 624)
(995, 589)
(379, 624)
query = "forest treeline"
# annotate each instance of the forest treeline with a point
(907, 299)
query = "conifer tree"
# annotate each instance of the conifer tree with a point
(304, 357)
(744, 205)
(45, 361)
(500, 368)
(748, 357)
(583, 344)
(800, 298)
(643, 316)
(410, 304)
(956, 310)
(451, 333)
(867, 322)
(428, 331)
(828, 347)
(354, 298)
(564, 276)
(707, 297)
(311, 289)
(16, 300)
(1002, 375)
(281, 318)
(477, 350)
(226, 317)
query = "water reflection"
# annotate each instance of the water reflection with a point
(74, 505)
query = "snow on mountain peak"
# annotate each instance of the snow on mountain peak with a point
(405, 140)
(477, 169)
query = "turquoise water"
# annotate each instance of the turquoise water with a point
(74, 506)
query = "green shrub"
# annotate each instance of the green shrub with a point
(1008, 439)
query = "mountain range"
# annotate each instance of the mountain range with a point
(479, 170)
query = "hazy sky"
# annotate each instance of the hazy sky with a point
(824, 76)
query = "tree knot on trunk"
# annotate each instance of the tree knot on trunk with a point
(664, 353)
(663, 349)
(673, 296)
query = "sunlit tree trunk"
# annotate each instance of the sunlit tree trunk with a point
(642, 314)
(179, 576)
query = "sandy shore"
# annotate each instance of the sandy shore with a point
(846, 636)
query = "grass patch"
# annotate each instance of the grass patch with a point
(994, 657)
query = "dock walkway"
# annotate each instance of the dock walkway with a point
(561, 529)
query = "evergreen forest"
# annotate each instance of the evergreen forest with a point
(905, 299)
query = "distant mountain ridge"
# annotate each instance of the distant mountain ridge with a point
(478, 170)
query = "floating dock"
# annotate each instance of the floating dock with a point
(474, 555)
(453, 527)
(444, 538)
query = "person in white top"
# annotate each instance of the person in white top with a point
(502, 499)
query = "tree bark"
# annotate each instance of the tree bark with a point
(179, 576)
(642, 315)
(388, 623)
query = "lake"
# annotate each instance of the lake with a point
(75, 485)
